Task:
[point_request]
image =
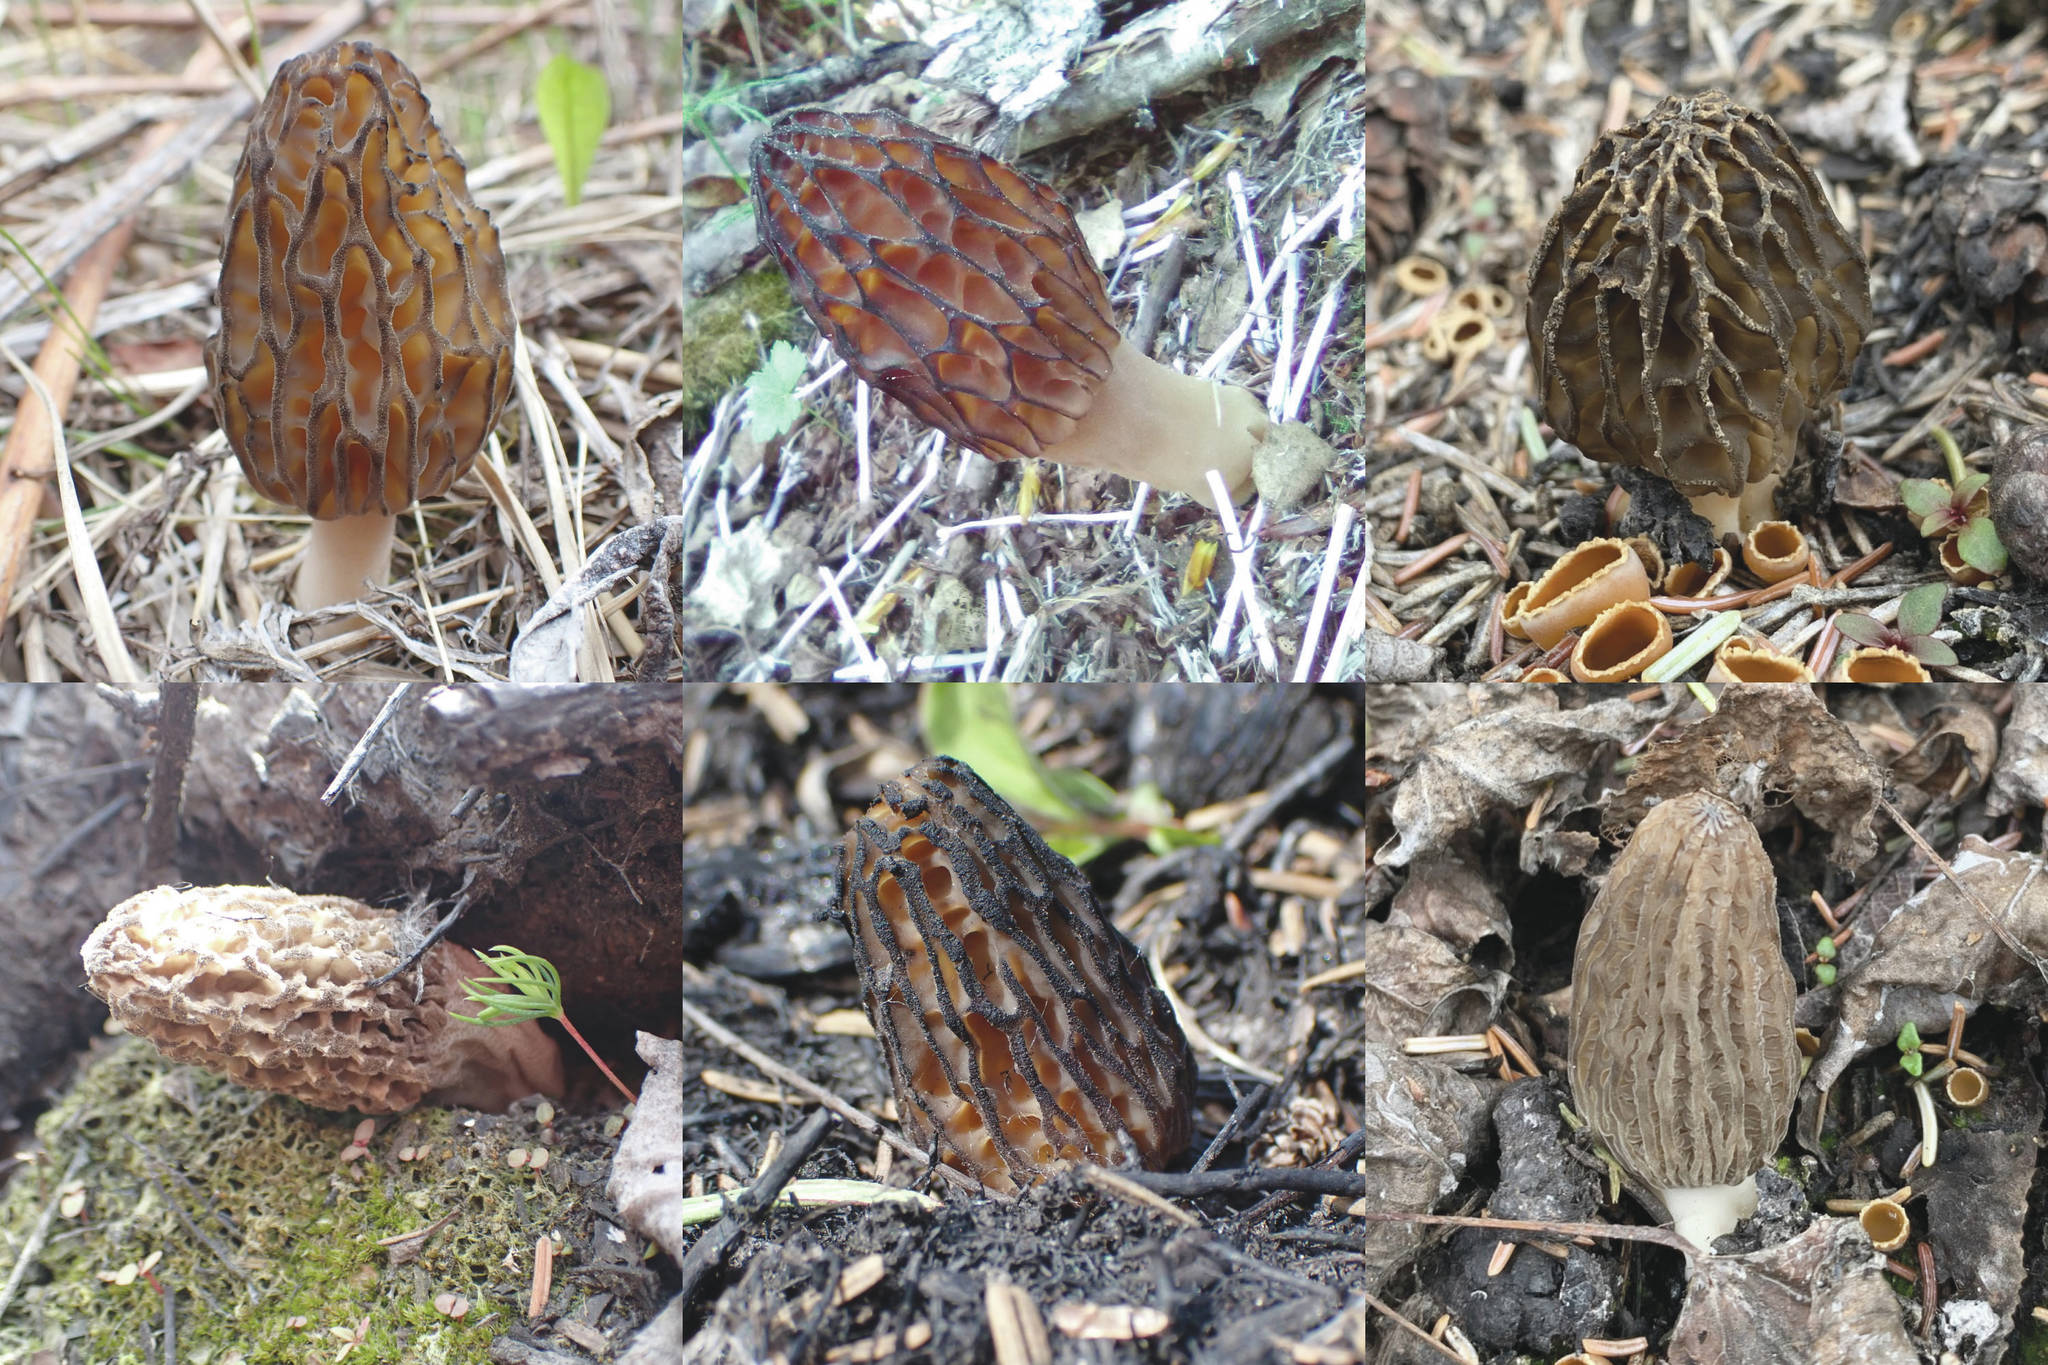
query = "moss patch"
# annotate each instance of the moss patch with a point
(261, 1177)
(717, 346)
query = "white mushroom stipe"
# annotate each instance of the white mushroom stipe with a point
(1702, 1213)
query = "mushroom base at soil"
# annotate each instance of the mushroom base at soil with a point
(343, 556)
(1741, 513)
(1704, 1212)
(1151, 422)
(1730, 515)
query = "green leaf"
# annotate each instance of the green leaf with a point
(1920, 609)
(574, 104)
(1864, 630)
(1825, 949)
(771, 392)
(1078, 848)
(1912, 1062)
(1931, 651)
(1980, 546)
(1909, 1037)
(1924, 497)
(1824, 973)
(1147, 803)
(971, 722)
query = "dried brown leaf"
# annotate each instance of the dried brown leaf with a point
(1502, 757)
(2021, 777)
(1763, 745)
(1820, 1296)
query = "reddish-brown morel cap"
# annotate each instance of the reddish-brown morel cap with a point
(945, 278)
(961, 286)
(1021, 1028)
(365, 343)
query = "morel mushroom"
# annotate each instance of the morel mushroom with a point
(1695, 302)
(1021, 1029)
(1683, 1060)
(961, 287)
(272, 990)
(365, 342)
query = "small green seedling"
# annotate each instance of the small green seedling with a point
(1909, 1049)
(1824, 970)
(574, 104)
(1957, 507)
(1912, 633)
(772, 408)
(536, 993)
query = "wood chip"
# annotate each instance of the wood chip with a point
(869, 1349)
(741, 1088)
(543, 1276)
(844, 1024)
(1014, 1323)
(859, 1277)
(1109, 1321)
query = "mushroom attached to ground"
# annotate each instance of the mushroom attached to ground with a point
(272, 990)
(1683, 1059)
(365, 342)
(1022, 1030)
(1695, 302)
(961, 287)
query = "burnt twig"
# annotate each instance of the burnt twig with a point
(752, 1202)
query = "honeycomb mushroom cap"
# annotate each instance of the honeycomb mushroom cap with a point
(365, 342)
(1022, 1030)
(945, 278)
(1695, 300)
(1682, 1056)
(272, 990)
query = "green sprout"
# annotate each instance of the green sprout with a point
(1909, 1049)
(772, 408)
(1824, 970)
(1912, 633)
(1958, 508)
(536, 994)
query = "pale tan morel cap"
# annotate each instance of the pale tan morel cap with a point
(273, 990)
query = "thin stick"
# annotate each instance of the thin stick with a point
(177, 712)
(1408, 1326)
(354, 762)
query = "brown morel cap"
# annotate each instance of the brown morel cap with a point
(1021, 1028)
(365, 343)
(1683, 1059)
(943, 277)
(1695, 299)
